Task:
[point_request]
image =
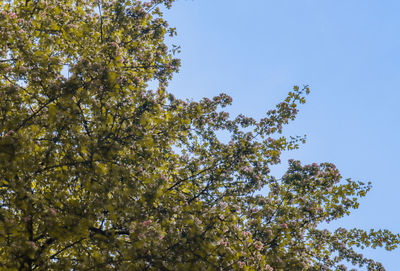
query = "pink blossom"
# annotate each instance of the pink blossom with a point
(254, 210)
(32, 244)
(175, 209)
(241, 264)
(52, 211)
(258, 245)
(22, 69)
(10, 132)
(246, 169)
(147, 222)
(284, 225)
(223, 243)
(269, 268)
(163, 177)
(223, 205)
(197, 221)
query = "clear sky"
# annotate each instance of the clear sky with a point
(348, 51)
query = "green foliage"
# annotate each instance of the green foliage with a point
(99, 173)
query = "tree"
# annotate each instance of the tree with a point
(98, 172)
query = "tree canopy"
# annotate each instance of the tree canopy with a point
(100, 172)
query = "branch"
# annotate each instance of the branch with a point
(65, 248)
(99, 3)
(35, 113)
(7, 60)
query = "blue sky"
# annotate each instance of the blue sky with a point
(346, 50)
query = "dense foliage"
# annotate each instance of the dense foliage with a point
(98, 172)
